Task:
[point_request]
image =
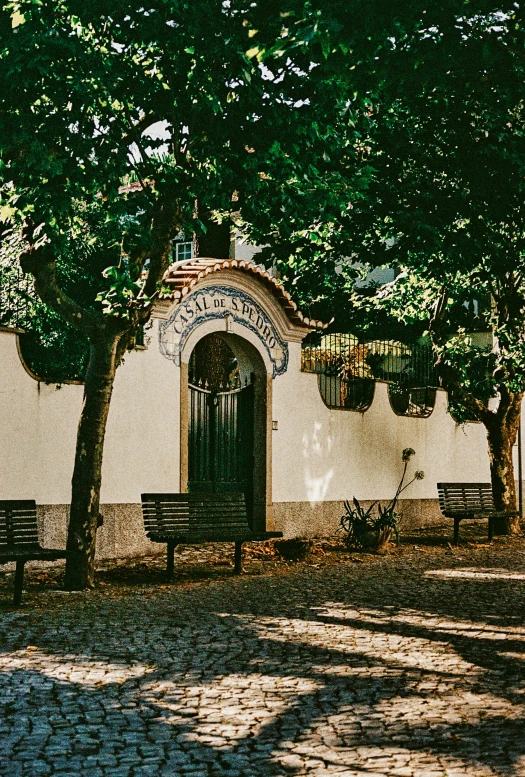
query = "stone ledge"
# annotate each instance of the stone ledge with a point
(303, 519)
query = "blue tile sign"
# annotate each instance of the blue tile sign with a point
(221, 302)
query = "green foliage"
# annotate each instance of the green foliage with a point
(108, 113)
(83, 84)
(52, 349)
(446, 202)
(435, 187)
(363, 529)
(124, 292)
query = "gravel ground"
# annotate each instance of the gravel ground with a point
(410, 663)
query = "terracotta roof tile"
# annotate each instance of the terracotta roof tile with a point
(184, 276)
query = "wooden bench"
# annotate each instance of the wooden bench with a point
(19, 539)
(191, 519)
(469, 500)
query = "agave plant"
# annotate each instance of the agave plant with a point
(368, 528)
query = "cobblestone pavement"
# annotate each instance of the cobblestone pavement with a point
(412, 664)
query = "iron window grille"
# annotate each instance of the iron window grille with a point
(16, 296)
(348, 369)
(459, 413)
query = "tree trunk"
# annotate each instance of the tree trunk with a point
(87, 473)
(215, 243)
(501, 438)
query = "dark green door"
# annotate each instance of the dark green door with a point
(220, 445)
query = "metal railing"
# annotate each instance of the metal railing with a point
(348, 369)
(16, 296)
(51, 349)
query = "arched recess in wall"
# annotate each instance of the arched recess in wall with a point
(459, 413)
(225, 443)
(344, 377)
(412, 401)
(339, 393)
(49, 378)
(245, 306)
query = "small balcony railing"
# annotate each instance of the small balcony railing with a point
(348, 369)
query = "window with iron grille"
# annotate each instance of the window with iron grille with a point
(347, 370)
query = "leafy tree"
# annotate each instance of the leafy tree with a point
(86, 89)
(53, 350)
(449, 156)
(445, 143)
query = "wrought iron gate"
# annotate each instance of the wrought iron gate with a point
(220, 445)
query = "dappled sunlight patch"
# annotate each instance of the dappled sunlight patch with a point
(476, 573)
(343, 738)
(511, 654)
(374, 761)
(71, 668)
(445, 711)
(445, 625)
(363, 644)
(380, 761)
(232, 708)
(316, 447)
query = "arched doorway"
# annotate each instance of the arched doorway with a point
(227, 421)
(243, 304)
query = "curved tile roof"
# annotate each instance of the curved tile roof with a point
(182, 277)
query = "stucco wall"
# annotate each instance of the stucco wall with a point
(320, 456)
(340, 453)
(323, 456)
(37, 444)
(39, 423)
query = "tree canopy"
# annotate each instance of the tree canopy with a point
(119, 126)
(444, 146)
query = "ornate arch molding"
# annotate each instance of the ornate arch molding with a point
(204, 290)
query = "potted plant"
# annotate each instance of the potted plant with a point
(375, 527)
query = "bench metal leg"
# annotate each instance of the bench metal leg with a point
(170, 565)
(491, 529)
(19, 582)
(456, 530)
(238, 558)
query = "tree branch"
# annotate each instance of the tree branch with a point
(438, 314)
(450, 377)
(452, 382)
(40, 262)
(140, 125)
(165, 225)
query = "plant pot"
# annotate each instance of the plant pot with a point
(293, 550)
(369, 538)
(376, 539)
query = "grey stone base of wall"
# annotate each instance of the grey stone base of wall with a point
(123, 536)
(303, 519)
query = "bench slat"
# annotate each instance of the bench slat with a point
(194, 511)
(19, 539)
(187, 497)
(197, 539)
(190, 519)
(465, 498)
(31, 554)
(468, 501)
(27, 543)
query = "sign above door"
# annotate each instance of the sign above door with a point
(213, 302)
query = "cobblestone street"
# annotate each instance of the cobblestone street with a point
(411, 664)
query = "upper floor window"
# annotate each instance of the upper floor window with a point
(183, 251)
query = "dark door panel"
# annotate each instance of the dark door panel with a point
(220, 445)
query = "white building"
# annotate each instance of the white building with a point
(300, 458)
